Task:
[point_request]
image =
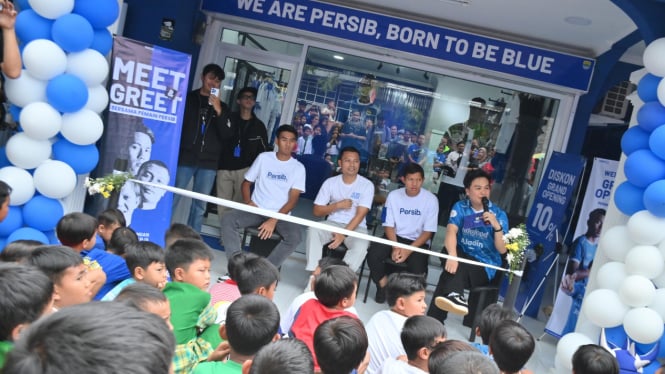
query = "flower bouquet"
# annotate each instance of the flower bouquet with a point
(107, 184)
(517, 241)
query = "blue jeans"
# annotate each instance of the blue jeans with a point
(203, 182)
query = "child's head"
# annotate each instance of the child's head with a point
(180, 231)
(336, 287)
(491, 316)
(148, 299)
(145, 261)
(324, 263)
(100, 337)
(25, 295)
(281, 356)
(442, 350)
(419, 335)
(464, 363)
(121, 237)
(256, 275)
(340, 345)
(108, 221)
(405, 294)
(252, 321)
(511, 345)
(594, 359)
(188, 261)
(5, 191)
(66, 270)
(237, 260)
(19, 250)
(77, 230)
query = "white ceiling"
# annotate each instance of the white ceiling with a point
(584, 27)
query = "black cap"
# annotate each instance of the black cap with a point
(251, 90)
(302, 102)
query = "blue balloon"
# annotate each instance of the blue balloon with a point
(657, 142)
(654, 198)
(27, 233)
(12, 222)
(15, 111)
(102, 41)
(52, 237)
(3, 243)
(42, 213)
(629, 198)
(72, 33)
(643, 167)
(100, 13)
(67, 93)
(31, 26)
(647, 89)
(22, 4)
(634, 139)
(650, 116)
(82, 158)
(4, 161)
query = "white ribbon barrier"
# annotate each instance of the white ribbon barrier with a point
(315, 224)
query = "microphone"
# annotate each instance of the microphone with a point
(486, 206)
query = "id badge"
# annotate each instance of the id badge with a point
(236, 151)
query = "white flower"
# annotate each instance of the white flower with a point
(515, 232)
(88, 182)
(510, 258)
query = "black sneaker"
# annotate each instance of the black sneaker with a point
(453, 303)
(380, 296)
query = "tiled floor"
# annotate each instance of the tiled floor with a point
(294, 278)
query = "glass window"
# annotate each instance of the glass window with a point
(254, 41)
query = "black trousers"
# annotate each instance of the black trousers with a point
(466, 277)
(377, 254)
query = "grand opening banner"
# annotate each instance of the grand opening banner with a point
(147, 103)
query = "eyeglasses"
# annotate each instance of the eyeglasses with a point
(250, 97)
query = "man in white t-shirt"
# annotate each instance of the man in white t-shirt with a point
(345, 199)
(278, 181)
(410, 218)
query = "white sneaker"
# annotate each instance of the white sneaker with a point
(453, 303)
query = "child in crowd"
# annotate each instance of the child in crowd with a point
(511, 345)
(68, 273)
(252, 321)
(464, 363)
(25, 295)
(147, 298)
(227, 290)
(180, 231)
(94, 338)
(594, 359)
(281, 356)
(145, 261)
(324, 263)
(442, 350)
(491, 316)
(121, 237)
(419, 335)
(405, 294)
(341, 346)
(105, 270)
(19, 250)
(335, 291)
(108, 221)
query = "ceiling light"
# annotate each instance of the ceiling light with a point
(577, 21)
(338, 57)
(458, 2)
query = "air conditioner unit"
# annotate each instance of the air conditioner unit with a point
(615, 103)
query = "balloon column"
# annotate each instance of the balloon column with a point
(630, 293)
(57, 101)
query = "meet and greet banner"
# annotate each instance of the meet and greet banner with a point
(572, 289)
(544, 222)
(147, 101)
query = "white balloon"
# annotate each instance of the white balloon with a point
(567, 346)
(27, 153)
(611, 275)
(83, 127)
(40, 121)
(645, 260)
(643, 325)
(98, 98)
(659, 281)
(44, 59)
(561, 366)
(89, 65)
(658, 303)
(637, 291)
(55, 179)
(653, 57)
(25, 89)
(604, 308)
(645, 228)
(661, 92)
(52, 9)
(616, 242)
(23, 188)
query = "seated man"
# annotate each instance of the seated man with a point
(410, 218)
(345, 199)
(278, 181)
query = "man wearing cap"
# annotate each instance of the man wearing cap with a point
(243, 138)
(305, 141)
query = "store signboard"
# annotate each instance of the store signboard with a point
(414, 37)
